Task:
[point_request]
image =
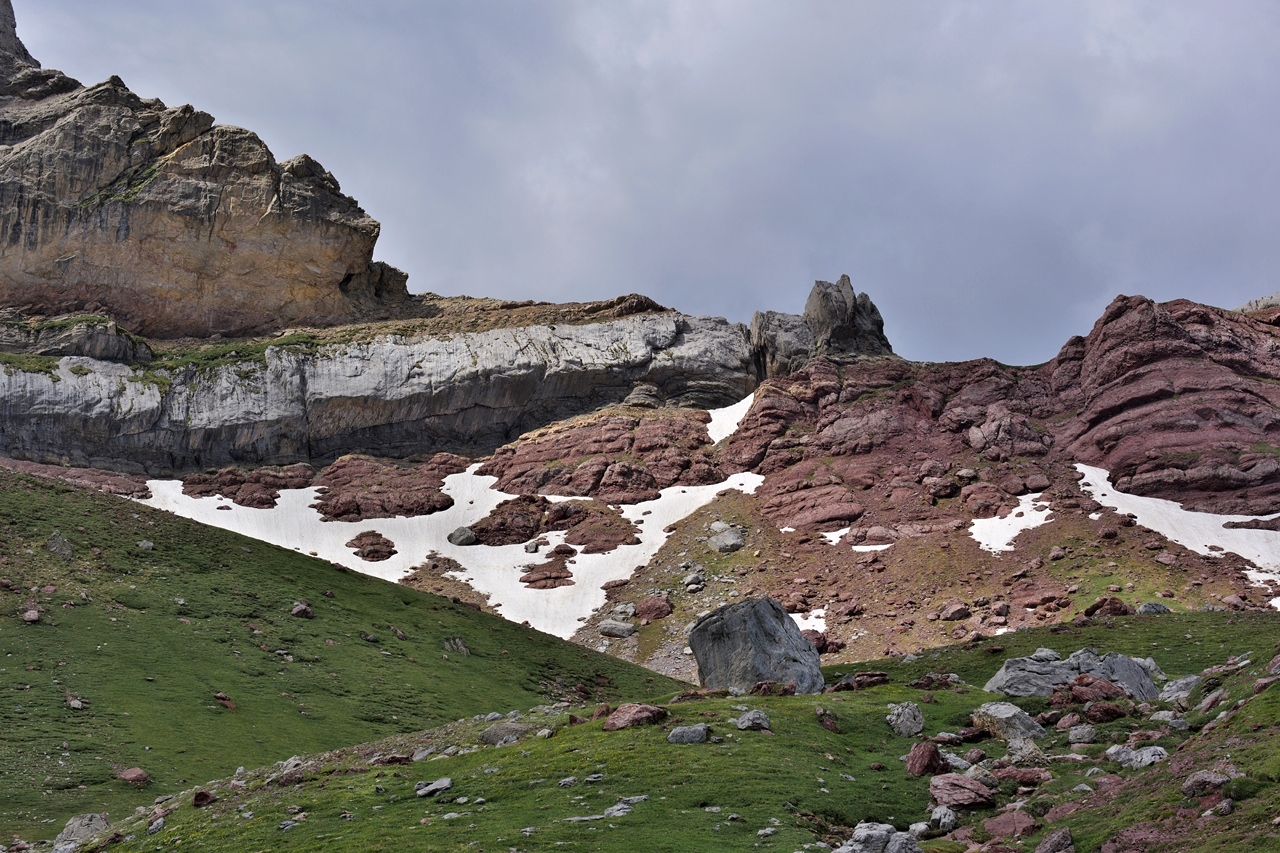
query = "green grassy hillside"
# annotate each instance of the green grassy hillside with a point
(803, 782)
(144, 638)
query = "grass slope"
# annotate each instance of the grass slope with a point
(146, 638)
(804, 782)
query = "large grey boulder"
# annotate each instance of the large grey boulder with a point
(837, 322)
(84, 826)
(879, 838)
(906, 719)
(742, 644)
(1038, 674)
(1136, 759)
(1177, 692)
(1006, 721)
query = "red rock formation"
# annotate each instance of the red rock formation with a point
(259, 488)
(357, 488)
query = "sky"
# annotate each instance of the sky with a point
(992, 173)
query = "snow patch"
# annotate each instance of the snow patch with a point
(814, 620)
(1202, 532)
(786, 530)
(997, 534)
(724, 422)
(834, 538)
(867, 549)
(495, 571)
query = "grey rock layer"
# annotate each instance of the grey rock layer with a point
(392, 396)
(742, 644)
(173, 225)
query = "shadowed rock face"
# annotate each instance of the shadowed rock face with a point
(171, 224)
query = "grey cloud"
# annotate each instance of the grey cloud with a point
(992, 174)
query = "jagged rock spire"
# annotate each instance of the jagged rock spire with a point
(11, 47)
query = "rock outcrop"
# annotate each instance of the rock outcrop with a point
(740, 645)
(90, 336)
(301, 401)
(168, 222)
(837, 322)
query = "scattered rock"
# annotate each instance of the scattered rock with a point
(614, 628)
(372, 547)
(753, 721)
(1082, 734)
(1153, 608)
(203, 798)
(134, 776)
(654, 607)
(59, 547)
(879, 838)
(1136, 759)
(501, 734)
(430, 789)
(1203, 782)
(634, 714)
(960, 792)
(740, 645)
(1014, 824)
(727, 542)
(925, 759)
(302, 610)
(906, 719)
(689, 734)
(1057, 841)
(1108, 606)
(954, 611)
(859, 681)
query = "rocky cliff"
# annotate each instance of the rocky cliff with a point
(169, 223)
(302, 401)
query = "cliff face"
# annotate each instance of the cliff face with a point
(171, 224)
(391, 396)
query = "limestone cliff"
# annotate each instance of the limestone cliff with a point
(299, 401)
(171, 224)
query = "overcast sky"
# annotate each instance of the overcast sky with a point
(991, 173)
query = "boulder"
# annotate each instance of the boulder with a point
(1178, 691)
(742, 644)
(78, 829)
(430, 789)
(925, 759)
(879, 838)
(689, 734)
(1040, 673)
(1006, 721)
(463, 536)
(134, 776)
(617, 629)
(1014, 824)
(654, 607)
(906, 719)
(753, 721)
(500, 734)
(1029, 676)
(960, 792)
(844, 322)
(1057, 841)
(1082, 734)
(1203, 782)
(1153, 608)
(1108, 606)
(634, 714)
(1136, 759)
(727, 542)
(943, 819)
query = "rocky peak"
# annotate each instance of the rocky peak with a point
(173, 225)
(837, 321)
(11, 47)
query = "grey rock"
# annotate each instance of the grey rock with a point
(430, 789)
(1203, 782)
(727, 542)
(155, 826)
(879, 838)
(1152, 608)
(906, 719)
(81, 827)
(568, 782)
(82, 338)
(146, 545)
(742, 644)
(531, 547)
(1178, 691)
(390, 396)
(501, 734)
(689, 734)
(1136, 759)
(1023, 752)
(753, 721)
(1082, 789)
(58, 546)
(782, 343)
(423, 753)
(903, 842)
(1057, 841)
(955, 762)
(618, 810)
(844, 322)
(462, 537)
(1039, 673)
(1006, 721)
(919, 830)
(720, 526)
(1082, 734)
(12, 50)
(614, 628)
(943, 819)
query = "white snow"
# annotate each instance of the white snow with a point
(814, 620)
(834, 538)
(786, 530)
(724, 422)
(1196, 531)
(867, 549)
(997, 534)
(492, 570)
